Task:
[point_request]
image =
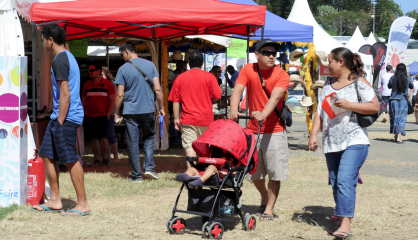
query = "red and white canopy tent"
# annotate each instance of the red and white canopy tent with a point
(155, 20)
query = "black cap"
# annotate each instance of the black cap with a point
(266, 42)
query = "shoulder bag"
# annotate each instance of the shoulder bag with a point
(410, 107)
(286, 115)
(151, 85)
(367, 120)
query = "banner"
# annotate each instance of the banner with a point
(78, 48)
(378, 61)
(238, 48)
(368, 50)
(399, 35)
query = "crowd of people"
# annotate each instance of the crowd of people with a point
(345, 143)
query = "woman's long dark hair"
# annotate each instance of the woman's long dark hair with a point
(400, 80)
(352, 61)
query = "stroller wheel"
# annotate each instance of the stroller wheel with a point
(177, 225)
(216, 230)
(250, 223)
(168, 224)
(205, 232)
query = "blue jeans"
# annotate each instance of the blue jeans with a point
(343, 170)
(147, 123)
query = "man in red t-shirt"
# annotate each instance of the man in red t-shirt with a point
(98, 100)
(196, 90)
(272, 146)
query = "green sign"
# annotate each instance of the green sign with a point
(238, 48)
(78, 48)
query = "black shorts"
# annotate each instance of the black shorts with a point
(95, 127)
(60, 142)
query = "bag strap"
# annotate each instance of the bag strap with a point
(145, 76)
(265, 90)
(356, 87)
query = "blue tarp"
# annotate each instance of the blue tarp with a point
(413, 68)
(279, 29)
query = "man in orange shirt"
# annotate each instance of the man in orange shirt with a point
(272, 146)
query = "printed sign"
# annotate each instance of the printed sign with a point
(238, 48)
(78, 48)
(324, 70)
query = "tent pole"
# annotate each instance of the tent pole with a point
(226, 84)
(262, 32)
(33, 83)
(107, 53)
(204, 55)
(248, 60)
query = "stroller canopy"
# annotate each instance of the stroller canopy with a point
(230, 136)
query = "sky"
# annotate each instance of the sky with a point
(407, 5)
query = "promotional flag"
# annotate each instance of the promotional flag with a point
(399, 35)
(368, 50)
(378, 60)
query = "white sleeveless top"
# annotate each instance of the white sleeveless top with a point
(343, 130)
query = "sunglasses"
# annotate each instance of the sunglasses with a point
(268, 53)
(93, 70)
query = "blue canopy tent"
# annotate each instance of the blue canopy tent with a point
(279, 29)
(413, 68)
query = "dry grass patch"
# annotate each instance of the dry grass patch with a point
(386, 209)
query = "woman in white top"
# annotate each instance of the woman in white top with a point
(344, 142)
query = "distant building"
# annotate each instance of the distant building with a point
(413, 44)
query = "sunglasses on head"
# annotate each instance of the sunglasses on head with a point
(268, 53)
(93, 70)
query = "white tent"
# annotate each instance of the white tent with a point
(301, 13)
(11, 36)
(356, 41)
(220, 40)
(371, 40)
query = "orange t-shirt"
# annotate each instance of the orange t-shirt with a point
(257, 98)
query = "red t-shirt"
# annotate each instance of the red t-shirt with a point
(97, 97)
(195, 90)
(257, 98)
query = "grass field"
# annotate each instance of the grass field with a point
(386, 208)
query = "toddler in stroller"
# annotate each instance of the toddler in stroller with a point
(206, 171)
(227, 153)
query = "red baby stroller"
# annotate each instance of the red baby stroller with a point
(219, 197)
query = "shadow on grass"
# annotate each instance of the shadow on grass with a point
(298, 147)
(385, 139)
(68, 204)
(316, 216)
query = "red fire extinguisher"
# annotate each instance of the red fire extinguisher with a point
(36, 181)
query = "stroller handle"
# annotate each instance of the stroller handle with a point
(249, 117)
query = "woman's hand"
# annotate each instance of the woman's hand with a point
(313, 143)
(342, 103)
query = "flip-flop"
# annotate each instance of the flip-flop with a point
(384, 120)
(80, 213)
(261, 209)
(268, 216)
(348, 235)
(400, 142)
(46, 209)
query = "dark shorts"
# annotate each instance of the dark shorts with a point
(95, 127)
(60, 142)
(111, 130)
(386, 101)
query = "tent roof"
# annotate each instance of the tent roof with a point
(371, 40)
(413, 68)
(156, 20)
(301, 13)
(279, 29)
(356, 41)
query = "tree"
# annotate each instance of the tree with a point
(281, 8)
(345, 22)
(386, 12)
(321, 18)
(414, 14)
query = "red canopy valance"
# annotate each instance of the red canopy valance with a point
(151, 20)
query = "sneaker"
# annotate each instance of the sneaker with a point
(151, 175)
(134, 180)
(105, 162)
(97, 162)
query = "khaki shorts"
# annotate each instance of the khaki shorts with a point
(272, 157)
(189, 134)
